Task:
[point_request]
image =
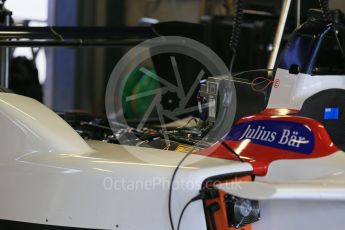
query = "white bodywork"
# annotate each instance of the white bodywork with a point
(309, 194)
(299, 194)
(49, 175)
(289, 91)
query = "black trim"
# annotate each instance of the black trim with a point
(108, 33)
(16, 225)
(231, 151)
(226, 176)
(314, 108)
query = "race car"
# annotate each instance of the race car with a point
(282, 168)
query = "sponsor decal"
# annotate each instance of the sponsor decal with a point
(186, 149)
(291, 136)
(331, 114)
(276, 83)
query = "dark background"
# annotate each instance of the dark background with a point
(77, 78)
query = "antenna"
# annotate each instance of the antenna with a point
(279, 33)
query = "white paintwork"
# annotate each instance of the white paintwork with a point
(293, 89)
(306, 169)
(49, 175)
(299, 194)
(306, 213)
(307, 179)
(322, 189)
(28, 127)
(301, 215)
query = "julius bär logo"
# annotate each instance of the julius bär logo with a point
(285, 135)
(290, 138)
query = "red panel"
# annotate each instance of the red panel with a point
(261, 156)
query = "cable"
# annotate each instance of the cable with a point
(56, 34)
(338, 41)
(185, 208)
(327, 14)
(171, 187)
(174, 176)
(253, 84)
(232, 151)
(253, 70)
(324, 5)
(236, 32)
(235, 36)
(236, 29)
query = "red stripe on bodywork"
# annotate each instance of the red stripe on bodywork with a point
(262, 156)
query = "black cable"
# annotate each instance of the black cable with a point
(185, 208)
(56, 34)
(324, 5)
(171, 187)
(232, 151)
(327, 14)
(236, 32)
(235, 37)
(174, 176)
(338, 41)
(176, 139)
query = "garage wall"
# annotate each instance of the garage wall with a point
(163, 10)
(337, 4)
(61, 62)
(96, 64)
(80, 82)
(76, 78)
